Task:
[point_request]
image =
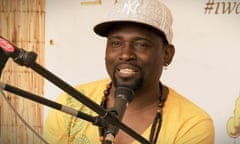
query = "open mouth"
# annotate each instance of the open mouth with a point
(126, 72)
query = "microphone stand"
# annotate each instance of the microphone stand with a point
(52, 104)
(28, 59)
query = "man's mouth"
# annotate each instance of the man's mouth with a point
(128, 75)
(126, 72)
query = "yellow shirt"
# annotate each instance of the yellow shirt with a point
(183, 122)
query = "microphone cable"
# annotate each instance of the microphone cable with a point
(21, 118)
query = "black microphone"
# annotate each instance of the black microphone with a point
(123, 96)
(19, 55)
(3, 60)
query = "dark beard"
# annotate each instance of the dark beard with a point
(135, 85)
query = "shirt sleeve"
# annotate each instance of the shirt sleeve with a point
(201, 132)
(55, 131)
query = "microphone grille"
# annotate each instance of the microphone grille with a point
(124, 92)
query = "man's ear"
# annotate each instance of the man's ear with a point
(169, 53)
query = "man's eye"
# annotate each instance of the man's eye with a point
(140, 45)
(115, 44)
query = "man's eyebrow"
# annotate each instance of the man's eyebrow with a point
(143, 38)
(136, 38)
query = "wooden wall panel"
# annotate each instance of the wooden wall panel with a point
(23, 23)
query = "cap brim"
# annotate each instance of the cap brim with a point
(103, 28)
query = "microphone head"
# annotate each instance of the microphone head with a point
(6, 45)
(125, 93)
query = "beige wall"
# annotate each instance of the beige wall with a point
(205, 69)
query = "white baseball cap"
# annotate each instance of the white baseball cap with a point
(152, 13)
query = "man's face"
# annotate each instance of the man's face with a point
(134, 56)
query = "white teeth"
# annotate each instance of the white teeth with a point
(126, 70)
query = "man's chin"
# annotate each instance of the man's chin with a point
(133, 84)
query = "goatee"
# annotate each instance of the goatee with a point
(130, 83)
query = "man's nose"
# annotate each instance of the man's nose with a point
(127, 53)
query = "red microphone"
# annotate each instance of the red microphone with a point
(19, 55)
(6, 46)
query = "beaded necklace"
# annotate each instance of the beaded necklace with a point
(157, 122)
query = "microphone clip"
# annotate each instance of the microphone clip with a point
(25, 58)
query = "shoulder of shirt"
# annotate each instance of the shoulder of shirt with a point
(180, 102)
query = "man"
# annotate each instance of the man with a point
(139, 45)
